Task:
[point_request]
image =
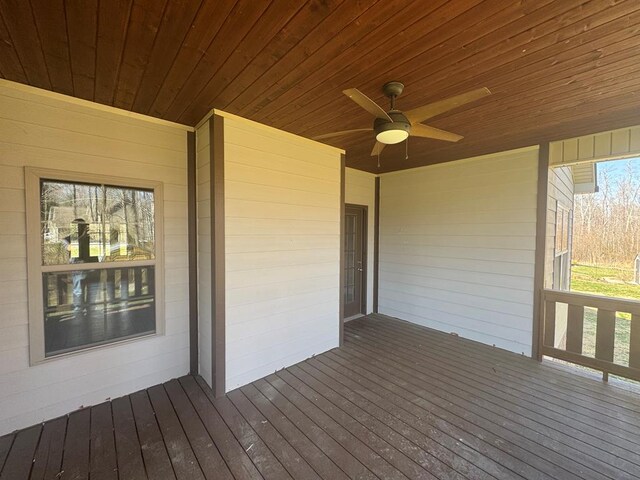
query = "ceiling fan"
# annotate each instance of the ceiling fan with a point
(395, 126)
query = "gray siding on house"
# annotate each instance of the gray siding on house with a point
(457, 247)
(560, 189)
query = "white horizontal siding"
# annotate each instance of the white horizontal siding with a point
(457, 247)
(360, 189)
(282, 250)
(52, 131)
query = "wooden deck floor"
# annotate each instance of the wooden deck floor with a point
(397, 401)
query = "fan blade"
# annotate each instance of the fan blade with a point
(420, 130)
(365, 102)
(338, 134)
(377, 148)
(425, 112)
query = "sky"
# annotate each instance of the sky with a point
(617, 168)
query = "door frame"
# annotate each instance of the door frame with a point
(365, 253)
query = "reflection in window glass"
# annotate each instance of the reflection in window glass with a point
(111, 299)
(89, 307)
(95, 223)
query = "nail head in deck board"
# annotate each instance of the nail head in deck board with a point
(237, 460)
(20, 459)
(284, 452)
(253, 445)
(75, 459)
(154, 452)
(341, 456)
(204, 448)
(182, 457)
(130, 463)
(322, 464)
(605, 334)
(103, 465)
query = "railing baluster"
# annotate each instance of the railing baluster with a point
(575, 328)
(549, 323)
(605, 334)
(634, 342)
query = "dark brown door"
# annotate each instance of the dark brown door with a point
(355, 260)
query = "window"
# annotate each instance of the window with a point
(563, 221)
(562, 257)
(94, 272)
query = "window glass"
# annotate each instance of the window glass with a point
(98, 269)
(84, 223)
(89, 307)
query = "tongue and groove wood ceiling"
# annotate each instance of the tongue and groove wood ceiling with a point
(557, 69)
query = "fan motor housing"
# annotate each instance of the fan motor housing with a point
(399, 122)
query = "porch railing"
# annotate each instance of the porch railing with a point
(602, 333)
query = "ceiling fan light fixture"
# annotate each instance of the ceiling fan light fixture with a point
(390, 137)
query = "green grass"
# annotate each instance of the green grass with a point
(623, 332)
(598, 281)
(591, 279)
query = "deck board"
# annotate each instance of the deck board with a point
(154, 451)
(396, 401)
(48, 458)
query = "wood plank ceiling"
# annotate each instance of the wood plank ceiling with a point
(557, 68)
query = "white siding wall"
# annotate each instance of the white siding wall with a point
(203, 162)
(457, 247)
(282, 204)
(41, 129)
(360, 189)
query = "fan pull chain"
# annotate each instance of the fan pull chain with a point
(406, 149)
(378, 159)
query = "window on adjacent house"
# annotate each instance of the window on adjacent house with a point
(95, 262)
(562, 257)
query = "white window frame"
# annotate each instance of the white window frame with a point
(35, 267)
